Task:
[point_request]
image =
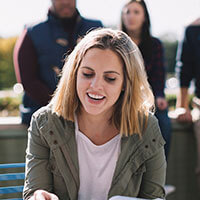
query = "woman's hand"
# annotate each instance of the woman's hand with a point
(161, 103)
(43, 195)
(185, 117)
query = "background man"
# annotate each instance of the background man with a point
(40, 51)
(189, 69)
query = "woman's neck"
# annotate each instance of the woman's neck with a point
(135, 36)
(99, 129)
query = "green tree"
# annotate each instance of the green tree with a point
(170, 45)
(7, 73)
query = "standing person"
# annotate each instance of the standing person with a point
(40, 50)
(135, 22)
(97, 138)
(188, 65)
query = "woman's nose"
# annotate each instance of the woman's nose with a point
(96, 83)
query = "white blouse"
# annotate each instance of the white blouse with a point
(96, 166)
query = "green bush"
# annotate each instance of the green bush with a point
(171, 99)
(9, 106)
(7, 73)
(170, 48)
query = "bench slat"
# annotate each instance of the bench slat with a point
(12, 176)
(12, 165)
(11, 189)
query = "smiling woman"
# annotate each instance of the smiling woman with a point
(97, 138)
(99, 81)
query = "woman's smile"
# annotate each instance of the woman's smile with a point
(95, 99)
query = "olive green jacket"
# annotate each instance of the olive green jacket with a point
(52, 160)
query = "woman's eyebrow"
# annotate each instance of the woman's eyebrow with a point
(108, 72)
(86, 67)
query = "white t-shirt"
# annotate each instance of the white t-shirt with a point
(96, 166)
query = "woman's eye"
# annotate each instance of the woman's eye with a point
(109, 79)
(136, 12)
(127, 12)
(88, 75)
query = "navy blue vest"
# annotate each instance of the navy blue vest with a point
(51, 43)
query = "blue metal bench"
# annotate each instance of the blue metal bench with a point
(21, 175)
(128, 198)
(8, 176)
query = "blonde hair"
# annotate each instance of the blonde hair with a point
(136, 100)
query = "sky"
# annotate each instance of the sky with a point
(167, 16)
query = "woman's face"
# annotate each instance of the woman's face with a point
(64, 8)
(99, 81)
(133, 16)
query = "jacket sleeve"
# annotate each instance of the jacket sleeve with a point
(186, 60)
(27, 70)
(38, 173)
(153, 180)
(157, 76)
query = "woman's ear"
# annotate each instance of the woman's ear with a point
(123, 87)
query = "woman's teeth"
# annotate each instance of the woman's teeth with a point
(93, 96)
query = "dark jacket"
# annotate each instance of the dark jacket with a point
(39, 57)
(188, 58)
(155, 67)
(52, 160)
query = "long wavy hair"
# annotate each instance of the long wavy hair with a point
(145, 45)
(136, 100)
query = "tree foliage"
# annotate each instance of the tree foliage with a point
(170, 47)
(7, 73)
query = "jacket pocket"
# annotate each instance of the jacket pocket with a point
(129, 181)
(140, 170)
(59, 186)
(134, 183)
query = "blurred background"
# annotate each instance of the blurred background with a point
(167, 16)
(168, 19)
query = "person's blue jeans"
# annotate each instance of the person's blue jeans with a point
(165, 127)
